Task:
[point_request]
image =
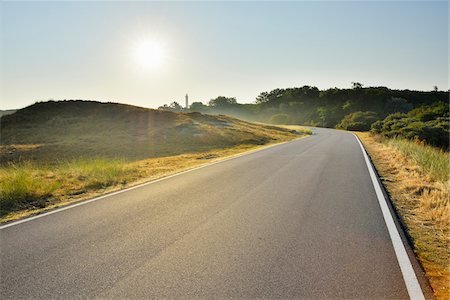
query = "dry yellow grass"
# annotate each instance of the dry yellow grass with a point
(423, 203)
(297, 128)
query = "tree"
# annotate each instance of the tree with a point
(175, 106)
(222, 101)
(356, 85)
(396, 104)
(323, 113)
(359, 121)
(164, 107)
(198, 106)
(262, 98)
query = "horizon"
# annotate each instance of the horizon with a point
(150, 53)
(181, 101)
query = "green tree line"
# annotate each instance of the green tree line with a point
(308, 105)
(355, 108)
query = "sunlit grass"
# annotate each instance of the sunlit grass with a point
(24, 185)
(298, 128)
(434, 161)
(95, 173)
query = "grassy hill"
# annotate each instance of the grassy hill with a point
(55, 153)
(61, 130)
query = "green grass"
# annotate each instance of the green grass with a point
(21, 186)
(27, 185)
(95, 173)
(434, 161)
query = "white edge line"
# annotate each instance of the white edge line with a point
(409, 275)
(83, 202)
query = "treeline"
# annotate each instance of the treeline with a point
(308, 105)
(355, 108)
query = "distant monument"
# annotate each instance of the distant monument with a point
(187, 101)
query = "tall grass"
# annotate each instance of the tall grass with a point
(434, 161)
(22, 186)
(95, 173)
(25, 185)
(298, 128)
(303, 130)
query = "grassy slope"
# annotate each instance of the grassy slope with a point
(52, 131)
(417, 179)
(59, 152)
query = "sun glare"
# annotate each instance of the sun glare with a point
(149, 53)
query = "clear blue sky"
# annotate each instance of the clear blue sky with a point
(83, 50)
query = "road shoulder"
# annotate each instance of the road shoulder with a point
(409, 190)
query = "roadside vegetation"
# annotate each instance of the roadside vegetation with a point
(428, 123)
(416, 176)
(298, 128)
(26, 185)
(434, 161)
(55, 153)
(358, 121)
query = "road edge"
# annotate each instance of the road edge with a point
(409, 275)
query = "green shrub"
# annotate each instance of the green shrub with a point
(430, 112)
(358, 121)
(429, 124)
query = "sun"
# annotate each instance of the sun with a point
(149, 53)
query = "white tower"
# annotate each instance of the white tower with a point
(187, 101)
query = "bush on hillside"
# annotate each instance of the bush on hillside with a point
(429, 124)
(358, 121)
(430, 112)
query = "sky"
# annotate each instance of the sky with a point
(90, 50)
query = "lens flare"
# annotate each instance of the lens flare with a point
(149, 53)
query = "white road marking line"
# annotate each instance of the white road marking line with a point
(83, 202)
(409, 276)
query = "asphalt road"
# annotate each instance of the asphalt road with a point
(298, 220)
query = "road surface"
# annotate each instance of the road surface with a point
(298, 220)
